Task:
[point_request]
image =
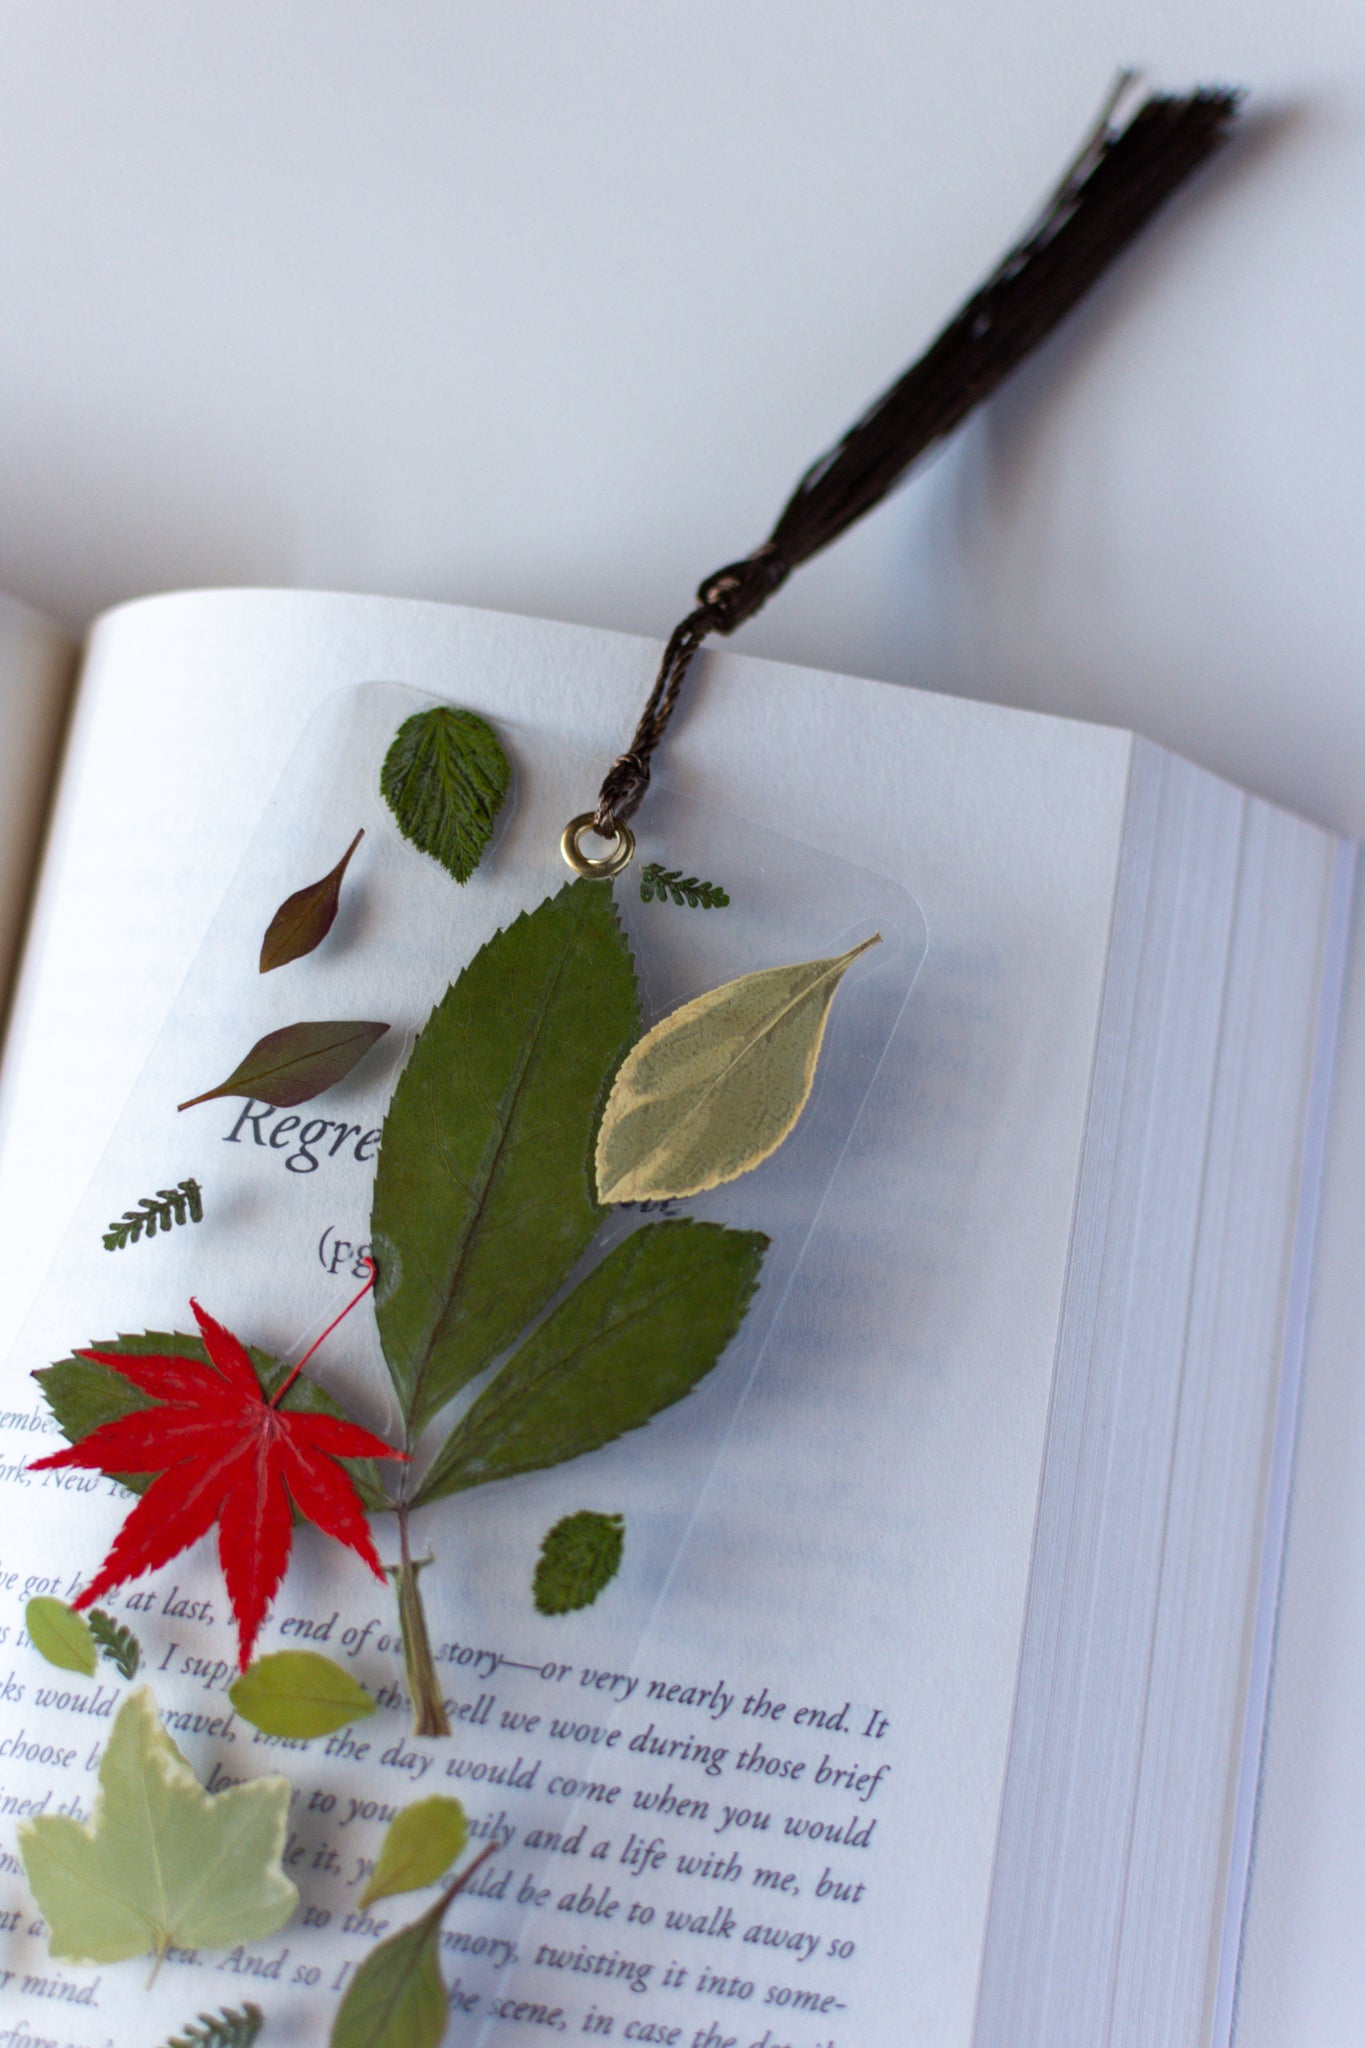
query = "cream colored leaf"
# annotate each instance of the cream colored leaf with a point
(161, 1863)
(715, 1088)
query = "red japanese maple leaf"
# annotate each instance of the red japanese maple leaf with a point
(224, 1454)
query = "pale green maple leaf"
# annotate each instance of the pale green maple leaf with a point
(161, 1863)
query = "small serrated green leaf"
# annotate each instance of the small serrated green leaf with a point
(580, 1555)
(161, 1863)
(397, 1998)
(445, 778)
(716, 1087)
(304, 919)
(298, 1693)
(116, 1642)
(421, 1844)
(671, 884)
(635, 1335)
(183, 1203)
(231, 2027)
(61, 1635)
(297, 1062)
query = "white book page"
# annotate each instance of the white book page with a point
(37, 663)
(864, 1536)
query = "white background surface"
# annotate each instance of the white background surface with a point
(545, 306)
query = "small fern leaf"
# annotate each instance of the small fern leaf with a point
(687, 891)
(225, 2029)
(116, 1642)
(183, 1203)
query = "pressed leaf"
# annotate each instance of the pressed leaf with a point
(421, 1844)
(580, 1555)
(298, 1693)
(304, 919)
(664, 884)
(444, 778)
(116, 1643)
(61, 1635)
(161, 1863)
(183, 1203)
(397, 1998)
(633, 1337)
(483, 1195)
(296, 1063)
(715, 1088)
(223, 1456)
(231, 2027)
(83, 1395)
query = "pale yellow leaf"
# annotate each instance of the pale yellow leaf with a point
(715, 1088)
(161, 1863)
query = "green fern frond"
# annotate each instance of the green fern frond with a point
(226, 2029)
(116, 1642)
(169, 1206)
(685, 890)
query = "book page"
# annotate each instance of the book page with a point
(37, 663)
(753, 1801)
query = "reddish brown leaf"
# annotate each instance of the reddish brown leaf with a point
(223, 1454)
(304, 919)
(296, 1063)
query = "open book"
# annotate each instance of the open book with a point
(926, 1707)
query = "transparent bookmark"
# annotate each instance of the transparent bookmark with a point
(277, 1238)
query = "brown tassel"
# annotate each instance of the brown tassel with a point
(1115, 185)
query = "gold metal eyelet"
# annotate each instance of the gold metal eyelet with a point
(601, 870)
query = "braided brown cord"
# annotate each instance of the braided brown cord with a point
(1112, 189)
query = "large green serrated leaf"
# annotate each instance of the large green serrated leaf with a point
(483, 1197)
(716, 1087)
(161, 1863)
(421, 1844)
(397, 1998)
(82, 1394)
(633, 1337)
(444, 778)
(580, 1555)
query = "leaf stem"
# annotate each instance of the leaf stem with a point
(428, 1707)
(318, 1342)
(457, 1884)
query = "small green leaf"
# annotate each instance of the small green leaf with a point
(161, 1863)
(183, 1203)
(581, 1555)
(634, 1336)
(61, 1635)
(304, 919)
(686, 891)
(116, 1642)
(397, 1998)
(229, 2028)
(715, 1088)
(300, 1694)
(483, 1196)
(82, 1394)
(294, 1064)
(444, 778)
(421, 1844)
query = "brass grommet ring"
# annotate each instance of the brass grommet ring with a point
(621, 855)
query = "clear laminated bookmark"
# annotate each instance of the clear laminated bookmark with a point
(564, 1193)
